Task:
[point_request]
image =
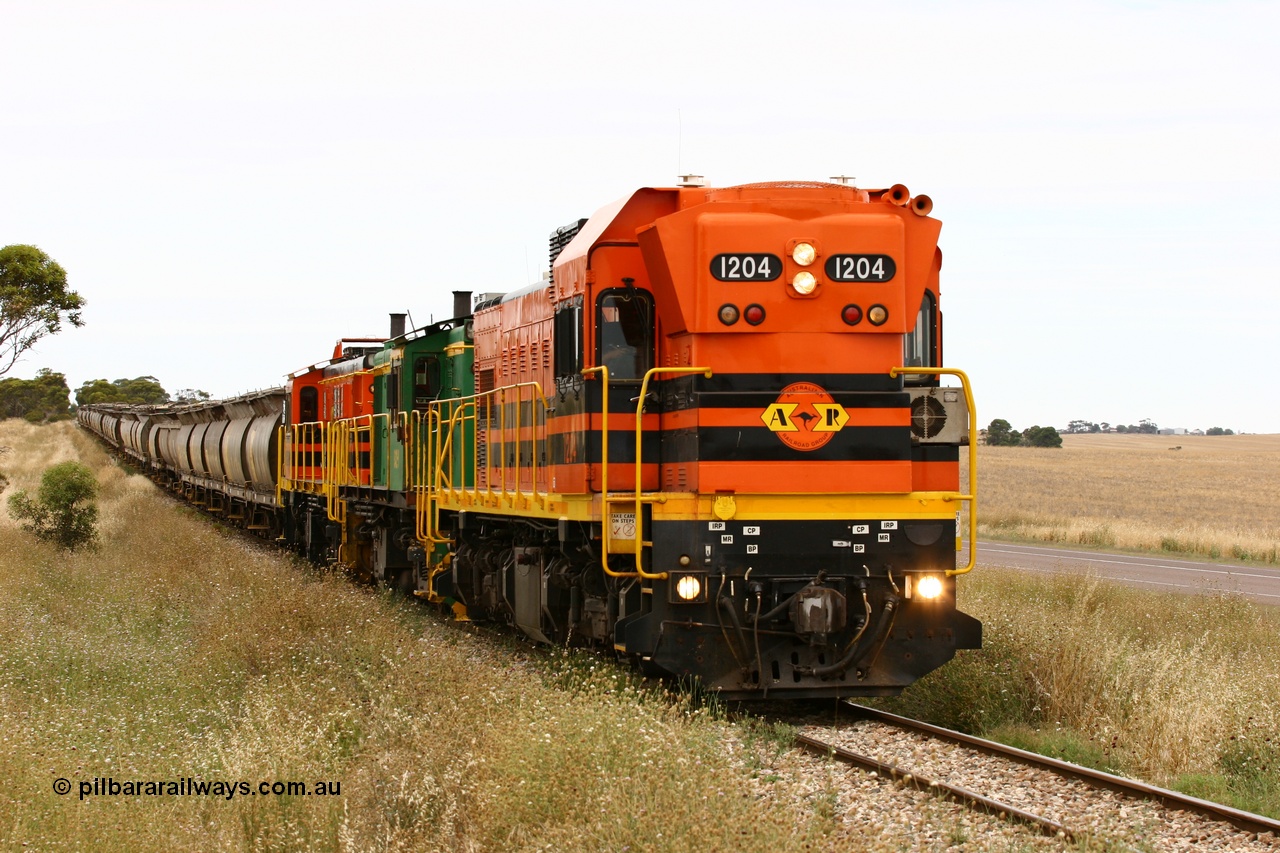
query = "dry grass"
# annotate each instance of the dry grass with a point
(1214, 497)
(180, 651)
(1176, 689)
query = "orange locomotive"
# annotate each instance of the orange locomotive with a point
(716, 440)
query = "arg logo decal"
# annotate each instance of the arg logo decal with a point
(804, 416)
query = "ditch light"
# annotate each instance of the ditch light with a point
(928, 587)
(689, 589)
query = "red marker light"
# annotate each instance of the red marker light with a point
(852, 315)
(754, 315)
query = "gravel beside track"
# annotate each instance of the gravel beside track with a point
(880, 814)
(920, 821)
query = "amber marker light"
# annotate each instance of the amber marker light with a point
(877, 314)
(804, 254)
(804, 283)
(728, 314)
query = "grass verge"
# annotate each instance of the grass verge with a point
(1178, 690)
(180, 652)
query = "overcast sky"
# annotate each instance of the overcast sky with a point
(231, 186)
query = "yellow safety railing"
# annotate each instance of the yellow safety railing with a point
(500, 412)
(638, 498)
(421, 436)
(336, 473)
(605, 499)
(297, 450)
(364, 433)
(284, 452)
(972, 497)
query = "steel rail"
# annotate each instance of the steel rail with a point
(974, 800)
(1246, 821)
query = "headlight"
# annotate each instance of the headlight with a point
(804, 283)
(929, 586)
(804, 254)
(689, 589)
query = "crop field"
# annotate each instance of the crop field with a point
(1207, 496)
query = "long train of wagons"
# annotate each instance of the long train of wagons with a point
(714, 439)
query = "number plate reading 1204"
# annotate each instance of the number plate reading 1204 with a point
(860, 268)
(746, 267)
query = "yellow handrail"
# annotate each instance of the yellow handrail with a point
(644, 390)
(283, 452)
(972, 497)
(462, 409)
(429, 494)
(335, 450)
(290, 438)
(604, 474)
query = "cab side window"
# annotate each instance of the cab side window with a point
(920, 345)
(308, 405)
(426, 380)
(625, 332)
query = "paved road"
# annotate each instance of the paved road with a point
(1262, 584)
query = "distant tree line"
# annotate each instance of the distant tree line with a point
(144, 390)
(1000, 433)
(47, 397)
(1144, 426)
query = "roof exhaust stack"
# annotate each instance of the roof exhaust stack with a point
(462, 303)
(397, 325)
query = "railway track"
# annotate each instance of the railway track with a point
(1055, 798)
